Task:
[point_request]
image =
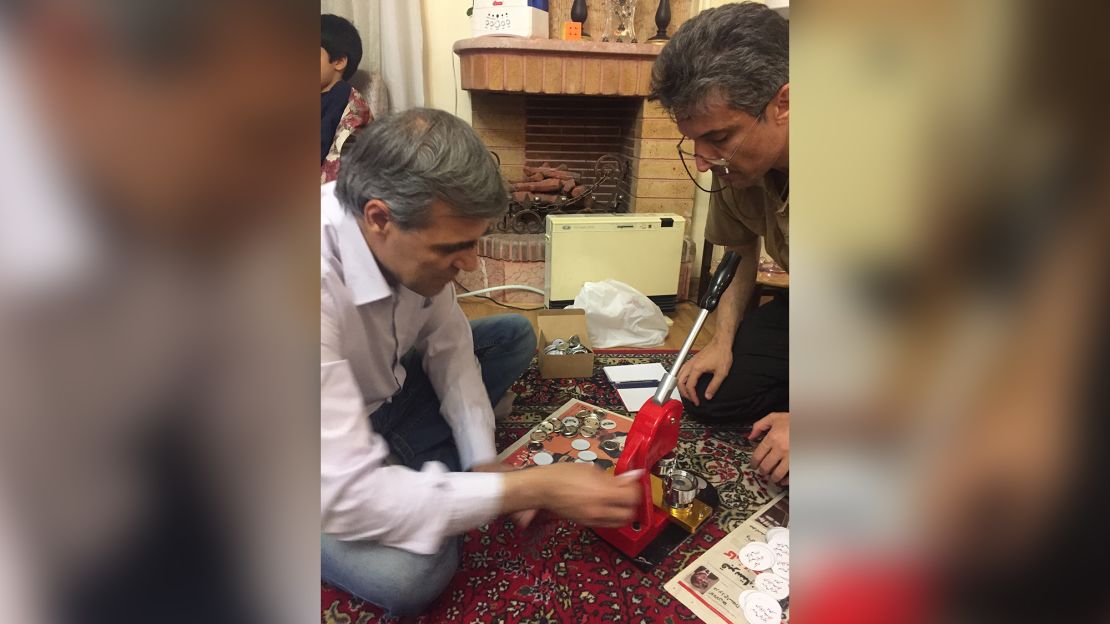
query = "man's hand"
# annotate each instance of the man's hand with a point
(577, 492)
(716, 359)
(520, 518)
(772, 456)
(589, 496)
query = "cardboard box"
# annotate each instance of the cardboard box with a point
(509, 21)
(564, 324)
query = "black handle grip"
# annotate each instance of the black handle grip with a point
(721, 279)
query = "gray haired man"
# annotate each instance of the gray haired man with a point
(406, 427)
(725, 78)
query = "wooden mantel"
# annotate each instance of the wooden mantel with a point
(554, 66)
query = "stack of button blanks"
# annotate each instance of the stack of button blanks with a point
(570, 426)
(590, 424)
(585, 423)
(556, 424)
(536, 440)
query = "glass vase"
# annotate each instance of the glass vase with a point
(620, 21)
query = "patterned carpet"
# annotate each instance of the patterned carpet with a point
(558, 572)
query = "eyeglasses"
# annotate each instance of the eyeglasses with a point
(715, 163)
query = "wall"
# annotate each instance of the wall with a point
(445, 22)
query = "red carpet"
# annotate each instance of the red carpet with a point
(555, 571)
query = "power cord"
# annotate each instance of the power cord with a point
(477, 294)
(471, 293)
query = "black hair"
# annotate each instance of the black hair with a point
(739, 51)
(341, 40)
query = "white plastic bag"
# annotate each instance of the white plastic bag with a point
(618, 315)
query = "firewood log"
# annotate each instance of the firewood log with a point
(544, 186)
(549, 172)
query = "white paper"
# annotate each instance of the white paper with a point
(634, 398)
(635, 372)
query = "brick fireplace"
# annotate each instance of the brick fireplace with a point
(525, 92)
(568, 103)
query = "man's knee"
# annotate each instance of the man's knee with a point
(422, 583)
(401, 582)
(521, 332)
(510, 331)
(423, 580)
(737, 410)
(517, 339)
(704, 410)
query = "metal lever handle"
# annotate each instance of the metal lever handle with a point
(726, 270)
(721, 279)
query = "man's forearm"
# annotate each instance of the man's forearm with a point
(522, 490)
(730, 311)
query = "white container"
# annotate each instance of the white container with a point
(508, 21)
(499, 4)
(643, 250)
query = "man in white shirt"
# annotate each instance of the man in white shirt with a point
(407, 382)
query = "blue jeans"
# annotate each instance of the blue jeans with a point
(399, 581)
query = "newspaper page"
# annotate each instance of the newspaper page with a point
(711, 586)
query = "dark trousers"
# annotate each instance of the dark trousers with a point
(759, 381)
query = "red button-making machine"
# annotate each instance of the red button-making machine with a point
(672, 504)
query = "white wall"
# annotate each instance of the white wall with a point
(445, 22)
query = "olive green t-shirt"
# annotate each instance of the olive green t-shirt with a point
(740, 216)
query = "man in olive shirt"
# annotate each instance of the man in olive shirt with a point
(725, 79)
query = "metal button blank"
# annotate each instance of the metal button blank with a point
(681, 488)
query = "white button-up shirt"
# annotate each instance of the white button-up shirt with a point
(366, 326)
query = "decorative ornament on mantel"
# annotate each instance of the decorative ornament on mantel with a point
(579, 12)
(662, 20)
(623, 12)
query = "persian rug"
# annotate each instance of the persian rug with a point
(555, 571)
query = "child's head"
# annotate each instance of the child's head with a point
(340, 50)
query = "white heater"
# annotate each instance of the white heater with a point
(641, 250)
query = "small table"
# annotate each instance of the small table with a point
(765, 283)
